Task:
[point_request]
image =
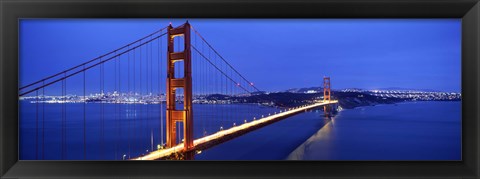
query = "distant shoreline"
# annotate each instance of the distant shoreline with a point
(347, 99)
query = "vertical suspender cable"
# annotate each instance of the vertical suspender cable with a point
(128, 105)
(61, 123)
(147, 61)
(229, 93)
(134, 101)
(229, 115)
(119, 99)
(116, 104)
(146, 131)
(84, 117)
(36, 128)
(207, 89)
(65, 123)
(43, 120)
(148, 94)
(101, 113)
(151, 87)
(140, 97)
(63, 119)
(222, 91)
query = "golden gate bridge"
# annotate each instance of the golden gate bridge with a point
(188, 69)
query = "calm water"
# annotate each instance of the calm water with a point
(406, 131)
(127, 129)
(272, 142)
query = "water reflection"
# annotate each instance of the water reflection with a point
(405, 131)
(324, 134)
(130, 113)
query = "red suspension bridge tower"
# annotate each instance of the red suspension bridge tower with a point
(175, 115)
(326, 95)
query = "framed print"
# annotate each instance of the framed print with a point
(208, 89)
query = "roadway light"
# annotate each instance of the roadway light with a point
(124, 155)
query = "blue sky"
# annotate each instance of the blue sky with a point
(275, 54)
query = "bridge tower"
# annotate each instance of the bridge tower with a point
(173, 114)
(326, 95)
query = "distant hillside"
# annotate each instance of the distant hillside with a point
(304, 90)
(320, 89)
(346, 100)
(350, 100)
(407, 89)
(281, 99)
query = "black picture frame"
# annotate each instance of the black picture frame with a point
(11, 11)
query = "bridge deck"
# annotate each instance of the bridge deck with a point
(206, 141)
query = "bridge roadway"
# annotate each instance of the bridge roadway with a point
(227, 134)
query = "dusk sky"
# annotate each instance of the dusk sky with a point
(275, 54)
